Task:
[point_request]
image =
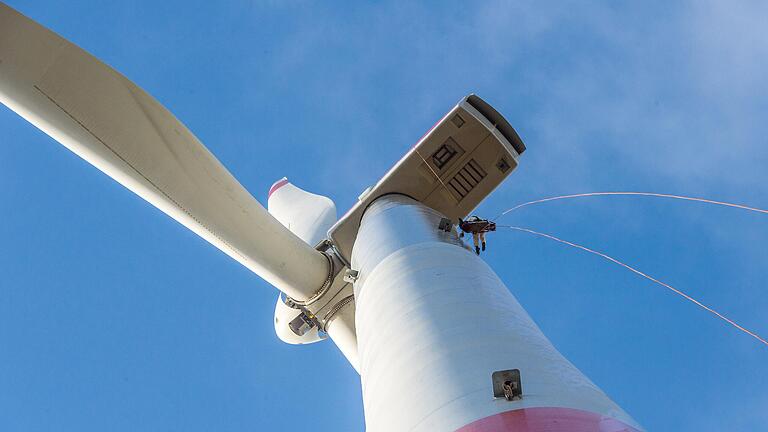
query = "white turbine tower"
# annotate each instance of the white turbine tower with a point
(439, 341)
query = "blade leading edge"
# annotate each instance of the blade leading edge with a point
(120, 129)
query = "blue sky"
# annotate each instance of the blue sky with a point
(114, 317)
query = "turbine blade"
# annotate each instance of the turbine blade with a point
(113, 124)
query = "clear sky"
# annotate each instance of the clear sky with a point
(114, 317)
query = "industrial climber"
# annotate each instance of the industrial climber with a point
(477, 227)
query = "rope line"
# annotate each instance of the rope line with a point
(638, 272)
(437, 176)
(650, 194)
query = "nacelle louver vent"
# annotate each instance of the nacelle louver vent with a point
(466, 179)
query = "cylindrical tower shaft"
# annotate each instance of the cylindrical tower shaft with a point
(434, 322)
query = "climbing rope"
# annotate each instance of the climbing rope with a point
(638, 272)
(648, 194)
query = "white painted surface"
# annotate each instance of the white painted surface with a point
(434, 322)
(124, 132)
(305, 214)
(341, 330)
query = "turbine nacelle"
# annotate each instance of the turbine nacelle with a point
(451, 169)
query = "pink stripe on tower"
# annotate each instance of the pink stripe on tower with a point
(547, 420)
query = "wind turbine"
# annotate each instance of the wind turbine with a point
(438, 339)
